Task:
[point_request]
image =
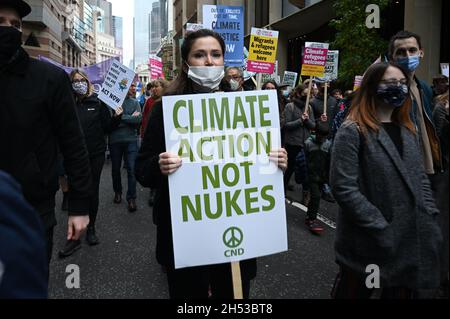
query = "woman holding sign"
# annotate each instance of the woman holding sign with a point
(96, 121)
(203, 70)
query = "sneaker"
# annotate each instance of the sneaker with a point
(91, 237)
(314, 226)
(70, 247)
(117, 198)
(132, 205)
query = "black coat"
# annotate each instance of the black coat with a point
(148, 174)
(37, 115)
(317, 106)
(96, 122)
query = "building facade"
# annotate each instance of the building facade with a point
(90, 30)
(106, 17)
(143, 73)
(42, 29)
(142, 12)
(155, 28)
(118, 31)
(165, 52)
(106, 48)
(56, 29)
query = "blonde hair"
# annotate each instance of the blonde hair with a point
(84, 76)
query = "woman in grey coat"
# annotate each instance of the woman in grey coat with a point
(387, 220)
(299, 120)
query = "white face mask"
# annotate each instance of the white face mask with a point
(206, 76)
(234, 85)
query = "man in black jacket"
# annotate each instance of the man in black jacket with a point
(37, 116)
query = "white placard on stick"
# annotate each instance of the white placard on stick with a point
(227, 199)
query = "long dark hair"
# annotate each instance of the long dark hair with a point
(281, 100)
(364, 104)
(182, 84)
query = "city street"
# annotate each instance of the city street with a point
(123, 265)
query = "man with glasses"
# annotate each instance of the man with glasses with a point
(234, 77)
(38, 117)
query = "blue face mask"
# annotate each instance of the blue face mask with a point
(410, 63)
(393, 95)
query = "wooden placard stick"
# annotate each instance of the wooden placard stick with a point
(237, 281)
(309, 94)
(325, 98)
(259, 81)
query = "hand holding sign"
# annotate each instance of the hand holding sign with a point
(279, 157)
(305, 116)
(324, 118)
(118, 112)
(169, 163)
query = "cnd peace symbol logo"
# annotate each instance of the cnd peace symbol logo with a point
(233, 237)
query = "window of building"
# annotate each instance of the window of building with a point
(32, 41)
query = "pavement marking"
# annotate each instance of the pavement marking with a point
(320, 217)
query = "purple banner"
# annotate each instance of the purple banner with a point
(96, 72)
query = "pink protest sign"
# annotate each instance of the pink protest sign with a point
(156, 67)
(314, 59)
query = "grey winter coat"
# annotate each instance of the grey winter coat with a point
(296, 131)
(387, 213)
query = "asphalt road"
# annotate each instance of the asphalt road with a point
(123, 265)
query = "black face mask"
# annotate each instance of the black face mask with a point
(10, 42)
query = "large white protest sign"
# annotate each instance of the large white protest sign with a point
(117, 83)
(227, 199)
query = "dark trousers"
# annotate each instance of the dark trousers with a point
(194, 282)
(49, 241)
(352, 285)
(292, 151)
(315, 188)
(97, 163)
(117, 152)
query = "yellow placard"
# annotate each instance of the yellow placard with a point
(313, 70)
(263, 49)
